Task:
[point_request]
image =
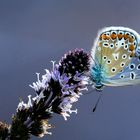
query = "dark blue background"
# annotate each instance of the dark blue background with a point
(34, 32)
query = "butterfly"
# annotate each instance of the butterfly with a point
(115, 58)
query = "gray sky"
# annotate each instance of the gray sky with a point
(34, 32)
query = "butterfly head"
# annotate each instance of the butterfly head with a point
(99, 87)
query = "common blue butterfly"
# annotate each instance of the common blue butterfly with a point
(115, 58)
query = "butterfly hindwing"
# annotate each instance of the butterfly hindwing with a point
(129, 76)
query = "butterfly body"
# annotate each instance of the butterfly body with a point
(115, 58)
(97, 77)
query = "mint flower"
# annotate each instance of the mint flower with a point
(55, 92)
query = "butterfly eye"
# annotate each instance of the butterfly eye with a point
(122, 64)
(124, 56)
(122, 76)
(113, 69)
(132, 75)
(138, 67)
(131, 66)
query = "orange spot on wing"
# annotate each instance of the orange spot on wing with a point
(113, 36)
(132, 54)
(131, 48)
(126, 36)
(131, 39)
(120, 36)
(105, 37)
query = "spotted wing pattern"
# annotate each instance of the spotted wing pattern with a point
(116, 51)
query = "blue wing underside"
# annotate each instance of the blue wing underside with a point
(130, 75)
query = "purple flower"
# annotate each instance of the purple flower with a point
(56, 91)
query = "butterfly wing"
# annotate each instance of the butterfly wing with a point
(115, 49)
(129, 76)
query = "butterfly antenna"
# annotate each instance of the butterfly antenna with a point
(93, 59)
(97, 103)
(89, 92)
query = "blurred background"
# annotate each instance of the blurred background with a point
(33, 32)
